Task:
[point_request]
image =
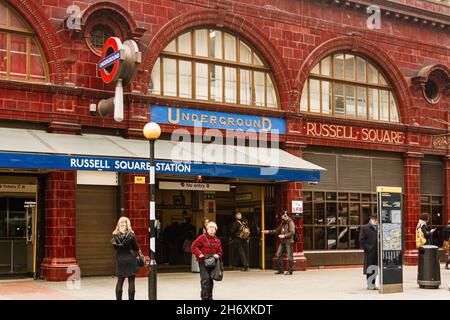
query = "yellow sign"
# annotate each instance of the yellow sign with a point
(139, 180)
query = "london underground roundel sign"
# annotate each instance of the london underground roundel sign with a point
(110, 64)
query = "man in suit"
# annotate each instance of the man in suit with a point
(368, 239)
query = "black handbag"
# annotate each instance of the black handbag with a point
(140, 259)
(217, 272)
(209, 260)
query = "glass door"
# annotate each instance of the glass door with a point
(17, 217)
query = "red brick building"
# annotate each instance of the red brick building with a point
(371, 105)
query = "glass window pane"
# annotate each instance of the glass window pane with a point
(230, 85)
(331, 214)
(331, 196)
(316, 69)
(343, 238)
(17, 22)
(319, 196)
(215, 38)
(307, 196)
(271, 95)
(18, 56)
(216, 83)
(3, 16)
(257, 60)
(304, 98)
(354, 214)
(338, 99)
(245, 53)
(319, 238)
(326, 97)
(259, 88)
(354, 238)
(201, 81)
(366, 211)
(349, 67)
(343, 214)
(314, 93)
(384, 105)
(343, 196)
(373, 74)
(36, 65)
(170, 77)
(394, 112)
(184, 43)
(155, 81)
(350, 101)
(373, 104)
(171, 47)
(326, 66)
(362, 103)
(382, 79)
(3, 54)
(307, 213)
(201, 42)
(17, 223)
(331, 237)
(307, 238)
(319, 213)
(185, 79)
(338, 66)
(230, 47)
(361, 69)
(245, 88)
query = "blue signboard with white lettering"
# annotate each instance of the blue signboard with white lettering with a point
(109, 60)
(217, 120)
(62, 162)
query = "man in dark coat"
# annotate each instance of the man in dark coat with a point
(238, 243)
(368, 239)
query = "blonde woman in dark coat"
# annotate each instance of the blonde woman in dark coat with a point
(124, 241)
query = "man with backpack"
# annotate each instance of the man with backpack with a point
(286, 231)
(240, 232)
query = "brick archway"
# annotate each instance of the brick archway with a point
(371, 51)
(52, 47)
(221, 19)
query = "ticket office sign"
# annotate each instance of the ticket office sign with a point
(390, 244)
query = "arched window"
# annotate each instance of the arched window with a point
(216, 66)
(350, 86)
(21, 57)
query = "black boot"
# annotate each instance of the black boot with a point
(118, 295)
(131, 295)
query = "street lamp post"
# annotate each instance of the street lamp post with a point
(152, 131)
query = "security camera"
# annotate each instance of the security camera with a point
(312, 183)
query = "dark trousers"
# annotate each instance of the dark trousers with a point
(285, 248)
(206, 282)
(240, 255)
(131, 287)
(448, 257)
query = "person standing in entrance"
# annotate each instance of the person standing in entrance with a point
(238, 242)
(205, 246)
(201, 231)
(447, 243)
(285, 232)
(368, 239)
(124, 241)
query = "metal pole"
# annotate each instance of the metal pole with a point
(152, 266)
(263, 226)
